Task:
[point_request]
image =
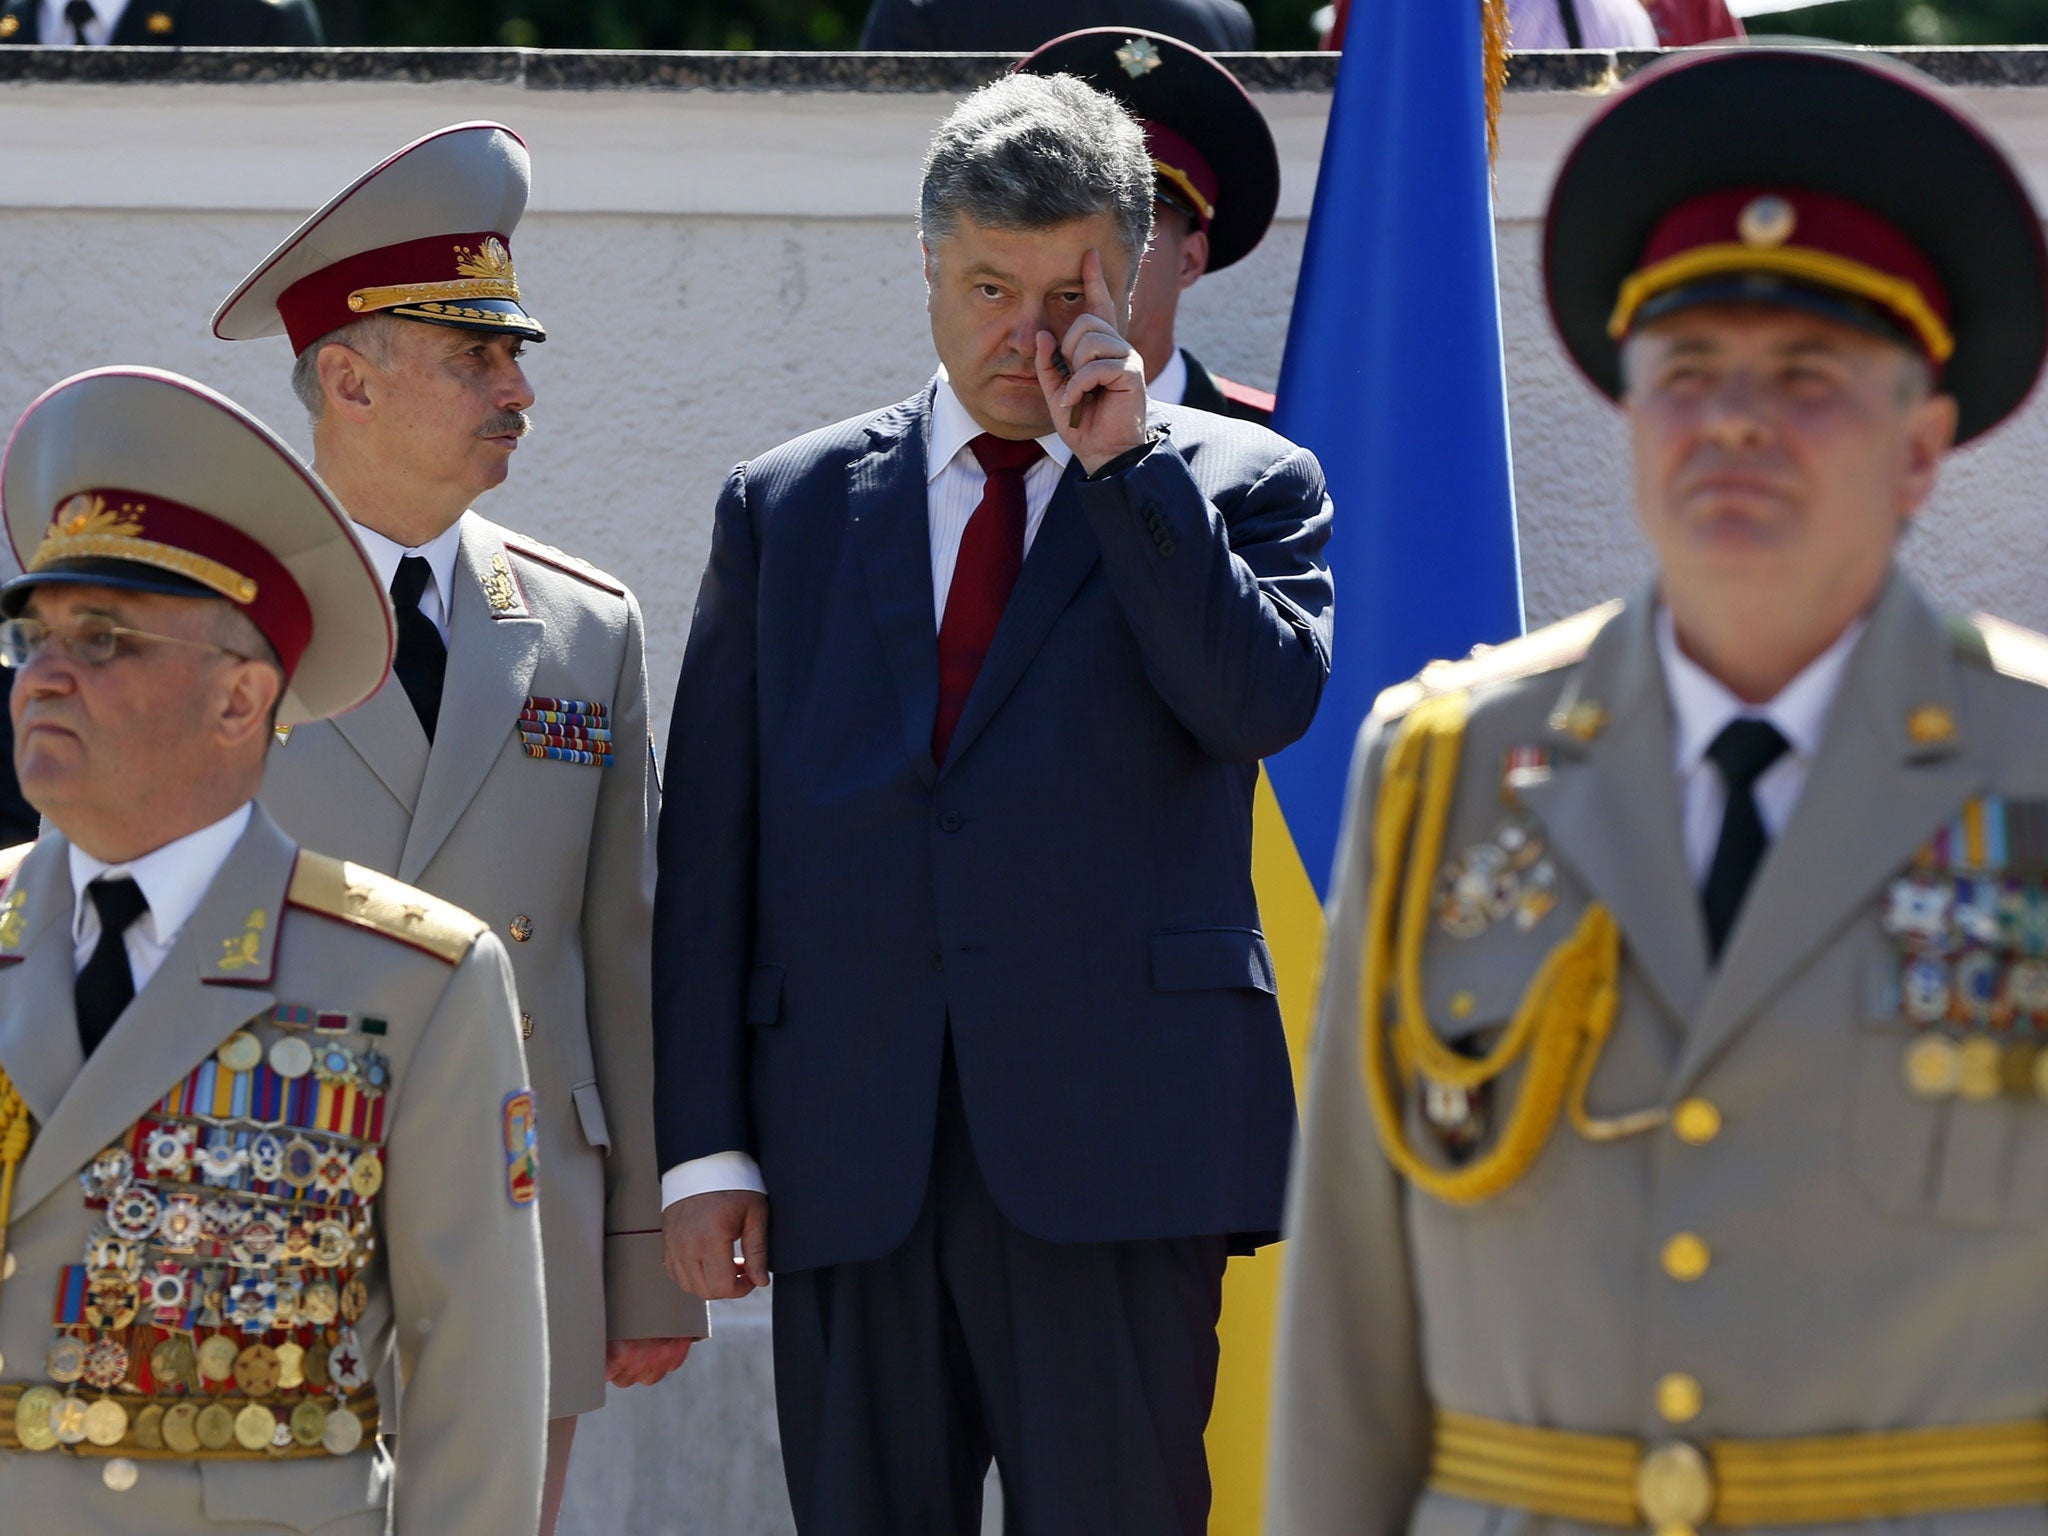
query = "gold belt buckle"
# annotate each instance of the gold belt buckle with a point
(1675, 1488)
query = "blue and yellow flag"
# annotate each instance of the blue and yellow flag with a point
(1393, 376)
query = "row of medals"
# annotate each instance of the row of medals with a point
(1973, 979)
(269, 1245)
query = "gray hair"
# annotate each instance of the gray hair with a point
(1035, 151)
(374, 336)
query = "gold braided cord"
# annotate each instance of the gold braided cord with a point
(1493, 44)
(14, 1127)
(1559, 1027)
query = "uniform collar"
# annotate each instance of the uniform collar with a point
(174, 878)
(1171, 387)
(439, 553)
(1701, 706)
(950, 429)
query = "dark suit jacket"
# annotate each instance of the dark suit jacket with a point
(1224, 397)
(1072, 887)
(186, 24)
(1018, 26)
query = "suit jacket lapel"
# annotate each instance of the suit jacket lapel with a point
(890, 525)
(1873, 796)
(492, 652)
(1611, 807)
(1061, 556)
(1202, 393)
(192, 1003)
(38, 1030)
(386, 734)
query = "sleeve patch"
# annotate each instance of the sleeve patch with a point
(522, 1148)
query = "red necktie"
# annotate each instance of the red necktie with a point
(991, 554)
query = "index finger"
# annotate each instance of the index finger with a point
(1096, 287)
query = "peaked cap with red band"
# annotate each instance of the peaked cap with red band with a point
(149, 482)
(426, 235)
(1718, 177)
(1210, 145)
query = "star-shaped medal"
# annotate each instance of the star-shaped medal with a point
(1139, 57)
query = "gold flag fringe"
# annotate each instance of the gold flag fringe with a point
(1493, 27)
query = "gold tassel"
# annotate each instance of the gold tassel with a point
(1493, 27)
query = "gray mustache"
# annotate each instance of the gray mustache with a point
(511, 423)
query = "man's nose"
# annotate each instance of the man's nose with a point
(515, 393)
(1734, 413)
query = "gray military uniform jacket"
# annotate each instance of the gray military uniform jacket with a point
(1873, 1259)
(556, 853)
(453, 1280)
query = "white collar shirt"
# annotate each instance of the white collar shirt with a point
(439, 553)
(954, 482)
(1171, 387)
(174, 879)
(55, 31)
(1701, 706)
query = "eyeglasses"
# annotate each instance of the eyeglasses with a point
(92, 641)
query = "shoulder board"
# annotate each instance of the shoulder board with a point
(352, 894)
(548, 555)
(1244, 394)
(10, 859)
(2001, 647)
(1545, 650)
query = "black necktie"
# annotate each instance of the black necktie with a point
(80, 14)
(105, 986)
(422, 657)
(1743, 750)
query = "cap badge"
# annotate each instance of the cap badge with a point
(1583, 721)
(86, 528)
(159, 23)
(1766, 221)
(1139, 57)
(484, 272)
(9, 25)
(491, 260)
(1930, 724)
(81, 515)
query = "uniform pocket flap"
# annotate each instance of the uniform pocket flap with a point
(1199, 959)
(590, 1111)
(764, 995)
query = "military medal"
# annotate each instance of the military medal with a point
(168, 1150)
(106, 1364)
(215, 1427)
(345, 1363)
(1933, 1067)
(291, 1362)
(173, 1363)
(35, 1418)
(1979, 1074)
(65, 1362)
(240, 1052)
(149, 1427)
(217, 1358)
(254, 1426)
(67, 1420)
(342, 1433)
(309, 1423)
(291, 1057)
(106, 1423)
(180, 1226)
(181, 1428)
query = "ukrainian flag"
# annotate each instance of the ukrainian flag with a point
(1393, 375)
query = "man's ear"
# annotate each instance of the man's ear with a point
(1930, 434)
(1194, 256)
(345, 379)
(248, 699)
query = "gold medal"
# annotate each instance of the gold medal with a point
(309, 1423)
(216, 1427)
(1934, 1067)
(240, 1052)
(254, 1426)
(2016, 1072)
(217, 1358)
(355, 1296)
(33, 1418)
(68, 1420)
(342, 1433)
(316, 1366)
(106, 1423)
(181, 1428)
(291, 1365)
(1980, 1076)
(319, 1303)
(172, 1363)
(149, 1427)
(367, 1176)
(256, 1370)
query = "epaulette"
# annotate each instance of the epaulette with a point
(10, 859)
(1544, 650)
(561, 560)
(2002, 647)
(352, 894)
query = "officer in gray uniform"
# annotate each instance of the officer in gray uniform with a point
(1676, 1153)
(264, 1123)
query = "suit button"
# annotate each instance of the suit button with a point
(526, 1026)
(1679, 1398)
(950, 822)
(1686, 1257)
(1696, 1122)
(1166, 549)
(522, 928)
(938, 961)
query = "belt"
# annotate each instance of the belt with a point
(138, 1434)
(1674, 1487)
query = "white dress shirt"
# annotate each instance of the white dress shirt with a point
(55, 31)
(439, 553)
(1602, 24)
(174, 878)
(1701, 707)
(953, 486)
(1171, 387)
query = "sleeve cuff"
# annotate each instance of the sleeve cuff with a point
(708, 1175)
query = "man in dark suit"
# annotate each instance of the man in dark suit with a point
(958, 969)
(1218, 182)
(1017, 26)
(162, 23)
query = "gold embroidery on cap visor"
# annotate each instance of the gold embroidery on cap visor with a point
(1895, 294)
(486, 274)
(84, 529)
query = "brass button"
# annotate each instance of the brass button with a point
(1696, 1122)
(526, 1026)
(1462, 1004)
(1686, 1257)
(1679, 1398)
(522, 928)
(1675, 1489)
